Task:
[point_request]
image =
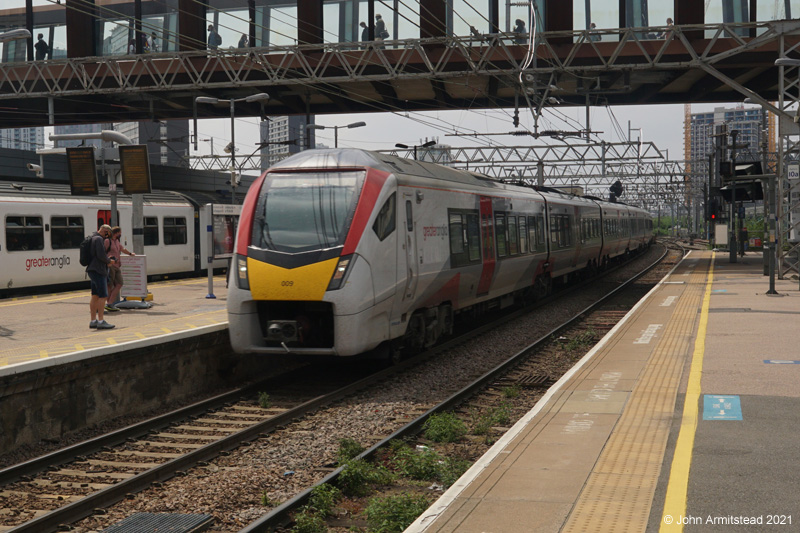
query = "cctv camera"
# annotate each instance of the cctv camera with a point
(35, 168)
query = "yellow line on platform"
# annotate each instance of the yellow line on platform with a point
(37, 300)
(678, 484)
(43, 354)
(166, 330)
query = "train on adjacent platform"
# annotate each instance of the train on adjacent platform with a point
(342, 251)
(43, 226)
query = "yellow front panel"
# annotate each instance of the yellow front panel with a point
(308, 283)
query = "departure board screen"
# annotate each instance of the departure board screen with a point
(135, 168)
(82, 171)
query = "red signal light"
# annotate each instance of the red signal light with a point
(713, 216)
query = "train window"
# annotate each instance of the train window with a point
(555, 224)
(409, 220)
(561, 230)
(474, 237)
(513, 236)
(66, 232)
(536, 233)
(500, 234)
(385, 222)
(465, 240)
(24, 233)
(523, 236)
(175, 230)
(306, 211)
(150, 231)
(457, 234)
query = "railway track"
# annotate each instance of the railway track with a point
(523, 370)
(61, 488)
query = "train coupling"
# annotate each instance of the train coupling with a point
(283, 330)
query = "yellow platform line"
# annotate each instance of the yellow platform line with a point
(678, 484)
(43, 354)
(619, 492)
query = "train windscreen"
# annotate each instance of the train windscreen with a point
(302, 212)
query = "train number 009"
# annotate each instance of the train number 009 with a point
(287, 283)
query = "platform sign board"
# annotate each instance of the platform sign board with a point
(721, 235)
(134, 274)
(82, 171)
(225, 220)
(793, 174)
(717, 407)
(135, 166)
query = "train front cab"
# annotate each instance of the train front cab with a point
(316, 258)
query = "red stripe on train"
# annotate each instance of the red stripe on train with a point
(366, 205)
(245, 228)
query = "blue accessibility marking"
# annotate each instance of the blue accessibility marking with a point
(721, 407)
(720, 290)
(780, 362)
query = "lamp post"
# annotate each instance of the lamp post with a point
(424, 145)
(335, 130)
(260, 97)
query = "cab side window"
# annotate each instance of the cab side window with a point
(385, 222)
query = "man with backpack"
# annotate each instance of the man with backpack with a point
(97, 269)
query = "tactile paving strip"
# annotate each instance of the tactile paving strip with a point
(619, 492)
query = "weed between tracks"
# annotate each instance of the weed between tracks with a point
(386, 495)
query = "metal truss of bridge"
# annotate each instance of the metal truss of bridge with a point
(694, 63)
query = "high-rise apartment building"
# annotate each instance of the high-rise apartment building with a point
(752, 123)
(82, 129)
(22, 138)
(167, 141)
(284, 136)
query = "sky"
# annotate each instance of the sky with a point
(660, 124)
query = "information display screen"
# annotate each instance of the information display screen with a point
(135, 168)
(82, 171)
(225, 219)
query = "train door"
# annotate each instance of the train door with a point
(104, 217)
(412, 262)
(487, 248)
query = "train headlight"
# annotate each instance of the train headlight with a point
(241, 273)
(340, 273)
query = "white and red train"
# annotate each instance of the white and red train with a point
(43, 225)
(341, 251)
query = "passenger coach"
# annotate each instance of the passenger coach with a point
(43, 226)
(340, 251)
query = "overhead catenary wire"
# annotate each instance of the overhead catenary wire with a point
(444, 81)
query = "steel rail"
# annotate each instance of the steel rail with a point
(88, 505)
(280, 516)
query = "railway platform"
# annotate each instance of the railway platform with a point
(685, 417)
(42, 330)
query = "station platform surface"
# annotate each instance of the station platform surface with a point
(685, 417)
(47, 327)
